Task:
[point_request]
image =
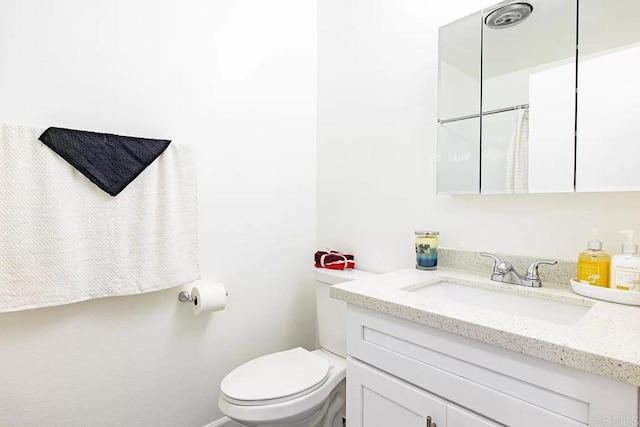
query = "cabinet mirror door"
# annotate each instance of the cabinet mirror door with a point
(528, 97)
(459, 106)
(608, 142)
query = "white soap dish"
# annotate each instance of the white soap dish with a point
(606, 294)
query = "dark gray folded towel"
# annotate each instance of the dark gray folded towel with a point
(110, 161)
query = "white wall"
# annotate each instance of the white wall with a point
(377, 81)
(237, 80)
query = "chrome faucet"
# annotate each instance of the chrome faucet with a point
(504, 272)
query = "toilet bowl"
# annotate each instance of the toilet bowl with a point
(296, 387)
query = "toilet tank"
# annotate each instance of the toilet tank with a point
(332, 313)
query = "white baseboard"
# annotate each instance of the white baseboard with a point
(224, 421)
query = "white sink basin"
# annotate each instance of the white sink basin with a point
(558, 312)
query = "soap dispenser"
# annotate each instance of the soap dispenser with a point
(625, 267)
(593, 264)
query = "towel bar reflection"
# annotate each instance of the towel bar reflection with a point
(486, 113)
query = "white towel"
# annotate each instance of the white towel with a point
(64, 240)
(517, 174)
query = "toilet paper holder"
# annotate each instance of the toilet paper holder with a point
(185, 296)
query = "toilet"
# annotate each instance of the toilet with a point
(297, 387)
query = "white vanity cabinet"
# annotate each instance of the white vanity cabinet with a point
(400, 372)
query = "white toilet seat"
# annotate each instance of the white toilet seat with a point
(292, 410)
(275, 378)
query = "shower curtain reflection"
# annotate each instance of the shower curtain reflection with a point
(517, 171)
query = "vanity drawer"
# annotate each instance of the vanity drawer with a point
(458, 417)
(499, 384)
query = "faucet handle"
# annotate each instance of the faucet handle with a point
(492, 256)
(532, 271)
(499, 266)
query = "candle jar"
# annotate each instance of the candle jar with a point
(427, 250)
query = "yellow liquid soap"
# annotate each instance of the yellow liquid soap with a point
(593, 268)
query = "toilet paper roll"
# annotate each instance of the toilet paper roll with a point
(208, 297)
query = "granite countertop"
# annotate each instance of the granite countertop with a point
(605, 341)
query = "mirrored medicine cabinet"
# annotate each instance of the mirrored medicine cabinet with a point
(541, 96)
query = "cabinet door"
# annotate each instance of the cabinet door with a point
(608, 103)
(458, 417)
(528, 98)
(459, 45)
(379, 400)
